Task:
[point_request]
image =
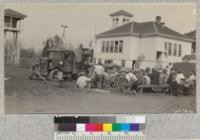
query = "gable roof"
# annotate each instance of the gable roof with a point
(10, 12)
(144, 29)
(121, 12)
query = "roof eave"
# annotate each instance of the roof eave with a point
(170, 36)
(19, 17)
(114, 35)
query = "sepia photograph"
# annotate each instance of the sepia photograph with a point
(100, 58)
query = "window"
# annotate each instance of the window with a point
(107, 46)
(103, 47)
(124, 20)
(116, 46)
(113, 20)
(117, 19)
(111, 46)
(99, 61)
(110, 61)
(175, 50)
(180, 50)
(170, 49)
(121, 46)
(123, 63)
(165, 50)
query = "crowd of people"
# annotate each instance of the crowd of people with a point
(177, 82)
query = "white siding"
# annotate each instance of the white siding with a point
(148, 47)
(186, 49)
(130, 50)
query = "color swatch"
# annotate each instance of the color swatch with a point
(100, 124)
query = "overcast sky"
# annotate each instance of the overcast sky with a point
(45, 20)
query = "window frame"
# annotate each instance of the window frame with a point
(107, 46)
(121, 42)
(175, 49)
(170, 49)
(179, 50)
(111, 46)
(103, 46)
(116, 47)
(166, 48)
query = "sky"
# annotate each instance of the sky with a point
(86, 20)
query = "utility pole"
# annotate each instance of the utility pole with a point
(64, 28)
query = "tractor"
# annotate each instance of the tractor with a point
(58, 65)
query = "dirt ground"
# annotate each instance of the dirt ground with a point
(33, 96)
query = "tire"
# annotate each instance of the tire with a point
(55, 75)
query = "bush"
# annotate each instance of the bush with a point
(27, 52)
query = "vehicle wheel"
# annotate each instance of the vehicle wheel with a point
(55, 75)
(122, 89)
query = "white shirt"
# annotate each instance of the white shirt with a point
(131, 76)
(99, 69)
(192, 78)
(179, 77)
(82, 81)
(147, 80)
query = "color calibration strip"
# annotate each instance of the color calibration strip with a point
(100, 127)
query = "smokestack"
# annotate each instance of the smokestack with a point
(158, 20)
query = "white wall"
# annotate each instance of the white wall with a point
(130, 48)
(186, 48)
(148, 46)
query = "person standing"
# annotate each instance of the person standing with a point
(163, 77)
(147, 80)
(172, 82)
(98, 75)
(131, 79)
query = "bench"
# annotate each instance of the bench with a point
(155, 88)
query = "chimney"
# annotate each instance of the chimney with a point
(158, 20)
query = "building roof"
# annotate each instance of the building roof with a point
(191, 34)
(121, 12)
(144, 29)
(10, 12)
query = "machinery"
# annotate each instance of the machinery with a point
(60, 64)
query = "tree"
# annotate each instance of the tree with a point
(53, 42)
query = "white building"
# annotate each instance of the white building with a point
(140, 45)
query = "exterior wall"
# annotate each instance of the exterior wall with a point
(130, 48)
(134, 47)
(147, 48)
(186, 49)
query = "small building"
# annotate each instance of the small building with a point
(189, 59)
(140, 44)
(12, 29)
